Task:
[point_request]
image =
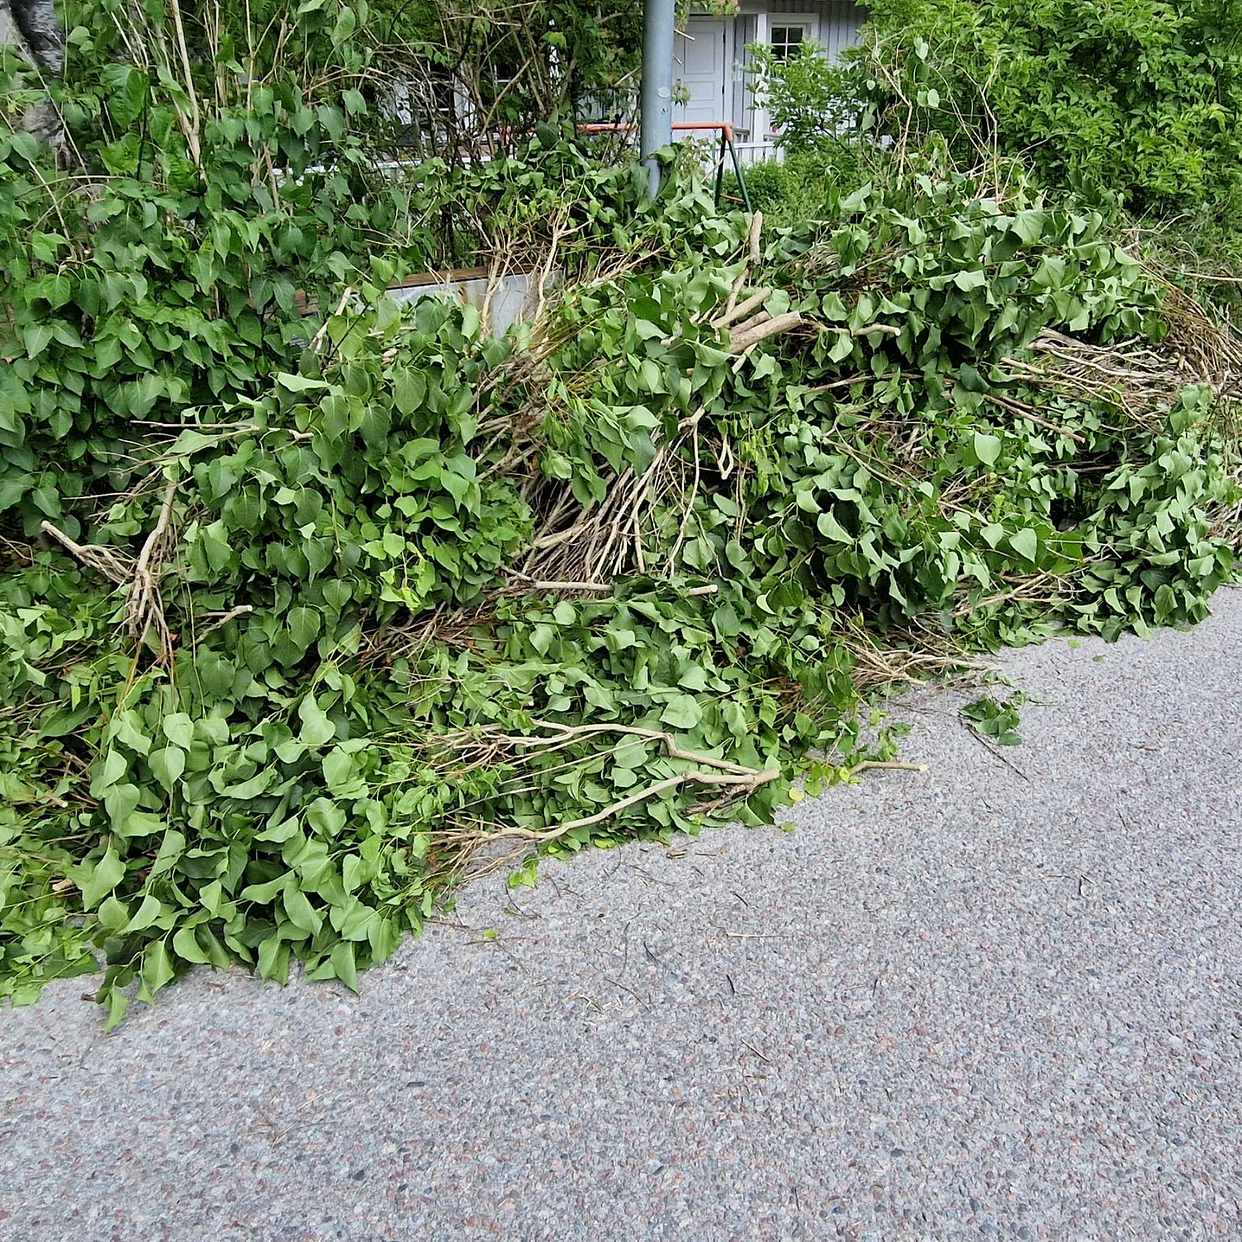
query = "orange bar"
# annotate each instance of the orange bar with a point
(602, 127)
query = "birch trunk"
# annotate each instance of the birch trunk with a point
(33, 27)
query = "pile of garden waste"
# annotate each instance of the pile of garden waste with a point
(276, 673)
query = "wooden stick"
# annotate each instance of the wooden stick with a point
(145, 604)
(874, 765)
(192, 123)
(744, 325)
(318, 339)
(1021, 410)
(161, 525)
(741, 358)
(694, 491)
(756, 227)
(535, 584)
(494, 276)
(857, 379)
(738, 285)
(756, 299)
(671, 748)
(841, 383)
(233, 613)
(782, 323)
(102, 560)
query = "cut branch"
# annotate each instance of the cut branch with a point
(742, 309)
(748, 784)
(145, 607)
(756, 227)
(110, 562)
(773, 327)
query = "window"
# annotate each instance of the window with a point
(786, 41)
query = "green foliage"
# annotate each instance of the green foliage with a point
(998, 720)
(1154, 517)
(184, 276)
(810, 99)
(957, 289)
(351, 487)
(473, 73)
(799, 187)
(179, 278)
(1127, 101)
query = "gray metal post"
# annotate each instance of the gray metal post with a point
(656, 129)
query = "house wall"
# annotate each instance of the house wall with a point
(746, 27)
(834, 25)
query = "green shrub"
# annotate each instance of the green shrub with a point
(354, 593)
(810, 99)
(1128, 101)
(804, 185)
(163, 273)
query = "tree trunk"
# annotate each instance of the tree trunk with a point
(33, 27)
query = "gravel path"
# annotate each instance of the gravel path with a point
(1000, 1000)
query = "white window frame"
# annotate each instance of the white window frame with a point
(808, 21)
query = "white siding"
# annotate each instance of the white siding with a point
(840, 26)
(743, 100)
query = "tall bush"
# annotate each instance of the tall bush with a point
(1131, 101)
(224, 178)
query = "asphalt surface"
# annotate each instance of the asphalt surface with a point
(999, 1000)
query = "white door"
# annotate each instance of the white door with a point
(699, 69)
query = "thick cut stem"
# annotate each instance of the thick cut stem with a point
(773, 327)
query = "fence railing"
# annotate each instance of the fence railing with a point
(728, 148)
(749, 153)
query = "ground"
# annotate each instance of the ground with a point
(1000, 999)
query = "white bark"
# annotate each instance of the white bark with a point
(33, 27)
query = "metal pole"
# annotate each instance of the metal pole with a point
(656, 129)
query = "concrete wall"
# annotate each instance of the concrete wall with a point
(515, 298)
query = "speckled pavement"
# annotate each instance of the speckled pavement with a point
(999, 1000)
